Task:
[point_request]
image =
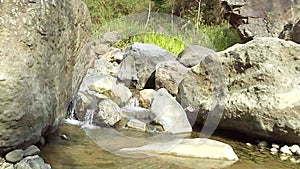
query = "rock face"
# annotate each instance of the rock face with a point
(291, 32)
(261, 18)
(139, 64)
(262, 90)
(169, 113)
(40, 43)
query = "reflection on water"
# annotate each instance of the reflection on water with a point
(80, 152)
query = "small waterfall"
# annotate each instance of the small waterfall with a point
(133, 102)
(88, 119)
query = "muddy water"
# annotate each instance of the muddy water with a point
(79, 152)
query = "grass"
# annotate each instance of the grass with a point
(170, 44)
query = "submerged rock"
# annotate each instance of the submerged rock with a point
(196, 148)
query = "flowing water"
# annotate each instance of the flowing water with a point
(80, 152)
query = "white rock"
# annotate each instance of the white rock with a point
(273, 150)
(249, 144)
(294, 148)
(275, 146)
(297, 152)
(286, 150)
(136, 124)
(293, 160)
(197, 148)
(262, 144)
(284, 157)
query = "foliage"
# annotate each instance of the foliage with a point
(211, 33)
(170, 44)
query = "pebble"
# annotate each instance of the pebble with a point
(14, 156)
(286, 150)
(275, 146)
(294, 148)
(249, 144)
(31, 151)
(284, 157)
(262, 144)
(273, 150)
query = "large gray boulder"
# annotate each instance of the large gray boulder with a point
(139, 64)
(169, 113)
(262, 79)
(40, 43)
(168, 75)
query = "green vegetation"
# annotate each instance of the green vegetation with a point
(172, 45)
(203, 23)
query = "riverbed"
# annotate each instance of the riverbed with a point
(78, 151)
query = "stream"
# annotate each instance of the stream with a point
(78, 151)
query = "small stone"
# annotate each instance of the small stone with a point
(297, 152)
(294, 148)
(136, 124)
(14, 156)
(31, 151)
(249, 144)
(286, 150)
(284, 157)
(65, 137)
(262, 144)
(273, 150)
(275, 146)
(293, 160)
(42, 141)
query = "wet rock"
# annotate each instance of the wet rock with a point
(273, 150)
(31, 151)
(168, 75)
(108, 86)
(14, 156)
(193, 55)
(32, 162)
(139, 64)
(109, 112)
(284, 157)
(169, 113)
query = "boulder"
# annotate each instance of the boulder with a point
(193, 55)
(169, 113)
(260, 18)
(108, 86)
(109, 112)
(32, 162)
(262, 88)
(40, 42)
(31, 151)
(168, 75)
(139, 64)
(291, 32)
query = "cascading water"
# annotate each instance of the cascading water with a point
(88, 119)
